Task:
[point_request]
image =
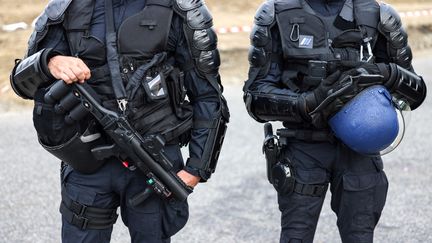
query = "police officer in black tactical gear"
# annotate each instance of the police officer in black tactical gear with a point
(302, 53)
(153, 61)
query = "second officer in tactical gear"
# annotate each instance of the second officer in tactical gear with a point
(154, 62)
(307, 60)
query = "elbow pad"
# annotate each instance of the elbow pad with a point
(406, 84)
(29, 74)
(272, 107)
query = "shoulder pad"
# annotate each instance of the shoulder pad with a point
(199, 18)
(265, 15)
(260, 37)
(200, 34)
(53, 11)
(389, 18)
(282, 5)
(186, 5)
(390, 27)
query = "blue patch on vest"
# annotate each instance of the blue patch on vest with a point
(306, 41)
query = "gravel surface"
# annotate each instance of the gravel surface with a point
(236, 205)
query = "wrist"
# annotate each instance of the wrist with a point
(47, 54)
(306, 103)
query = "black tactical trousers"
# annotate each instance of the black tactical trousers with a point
(358, 188)
(112, 186)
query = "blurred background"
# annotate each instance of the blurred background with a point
(232, 20)
(237, 204)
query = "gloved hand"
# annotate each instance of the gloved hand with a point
(366, 71)
(319, 94)
(359, 76)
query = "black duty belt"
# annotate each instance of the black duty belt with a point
(306, 134)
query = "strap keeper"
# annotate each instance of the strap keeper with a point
(80, 221)
(77, 208)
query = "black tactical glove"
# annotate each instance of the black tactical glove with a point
(313, 98)
(349, 84)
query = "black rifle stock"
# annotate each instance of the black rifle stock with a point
(146, 152)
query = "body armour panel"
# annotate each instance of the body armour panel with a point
(153, 86)
(261, 42)
(259, 53)
(200, 35)
(146, 33)
(390, 26)
(274, 107)
(53, 14)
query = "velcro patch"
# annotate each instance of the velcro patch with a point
(306, 41)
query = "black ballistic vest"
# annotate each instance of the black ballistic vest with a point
(154, 87)
(306, 35)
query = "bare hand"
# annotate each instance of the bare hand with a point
(69, 69)
(189, 179)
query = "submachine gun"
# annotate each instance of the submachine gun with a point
(146, 152)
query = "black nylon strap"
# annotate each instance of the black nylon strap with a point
(306, 135)
(166, 3)
(311, 190)
(178, 130)
(112, 55)
(85, 217)
(84, 221)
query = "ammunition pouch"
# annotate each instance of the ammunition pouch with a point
(71, 141)
(283, 177)
(157, 98)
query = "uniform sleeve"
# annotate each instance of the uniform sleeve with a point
(204, 97)
(31, 73)
(268, 96)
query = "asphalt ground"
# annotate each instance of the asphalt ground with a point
(237, 204)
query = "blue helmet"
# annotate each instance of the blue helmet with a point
(368, 123)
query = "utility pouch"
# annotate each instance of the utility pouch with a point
(76, 152)
(68, 139)
(317, 71)
(283, 177)
(155, 87)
